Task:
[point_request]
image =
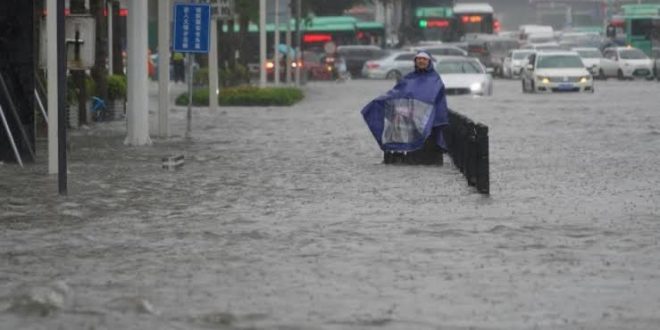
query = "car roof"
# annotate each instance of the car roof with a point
(471, 8)
(558, 52)
(374, 47)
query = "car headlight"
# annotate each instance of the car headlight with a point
(543, 79)
(476, 87)
(585, 79)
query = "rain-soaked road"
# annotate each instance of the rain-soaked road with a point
(285, 218)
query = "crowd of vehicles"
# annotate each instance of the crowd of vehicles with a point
(465, 41)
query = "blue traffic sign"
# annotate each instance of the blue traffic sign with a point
(191, 28)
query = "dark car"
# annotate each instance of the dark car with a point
(356, 55)
(491, 50)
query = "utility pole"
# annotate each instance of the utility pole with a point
(262, 43)
(164, 9)
(53, 88)
(137, 112)
(299, 57)
(276, 42)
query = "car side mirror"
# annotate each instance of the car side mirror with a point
(530, 67)
(490, 70)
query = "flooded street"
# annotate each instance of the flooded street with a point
(285, 218)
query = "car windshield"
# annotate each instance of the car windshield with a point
(520, 55)
(632, 54)
(559, 61)
(590, 53)
(451, 67)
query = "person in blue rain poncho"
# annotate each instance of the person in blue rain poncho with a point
(408, 120)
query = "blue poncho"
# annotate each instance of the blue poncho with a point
(403, 118)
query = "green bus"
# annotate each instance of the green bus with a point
(434, 24)
(371, 33)
(642, 26)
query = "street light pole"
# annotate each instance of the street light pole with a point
(61, 99)
(276, 42)
(299, 60)
(262, 43)
(164, 9)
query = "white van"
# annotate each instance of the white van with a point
(538, 31)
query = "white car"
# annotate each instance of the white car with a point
(441, 50)
(591, 57)
(391, 66)
(547, 46)
(464, 75)
(626, 63)
(513, 62)
(560, 71)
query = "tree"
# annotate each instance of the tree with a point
(330, 8)
(99, 72)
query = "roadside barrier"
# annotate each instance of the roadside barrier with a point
(467, 142)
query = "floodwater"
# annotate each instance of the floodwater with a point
(285, 218)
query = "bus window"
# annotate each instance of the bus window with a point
(641, 27)
(474, 18)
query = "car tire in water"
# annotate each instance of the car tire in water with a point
(394, 74)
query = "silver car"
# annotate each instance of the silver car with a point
(391, 66)
(464, 75)
(513, 63)
(591, 57)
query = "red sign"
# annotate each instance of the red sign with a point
(471, 19)
(437, 23)
(312, 38)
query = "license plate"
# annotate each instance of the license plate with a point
(565, 86)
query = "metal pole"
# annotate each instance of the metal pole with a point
(11, 137)
(288, 47)
(110, 61)
(190, 94)
(213, 67)
(51, 31)
(164, 9)
(298, 41)
(41, 105)
(262, 43)
(17, 118)
(276, 43)
(61, 99)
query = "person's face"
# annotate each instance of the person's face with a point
(422, 62)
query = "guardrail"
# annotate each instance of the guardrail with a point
(467, 142)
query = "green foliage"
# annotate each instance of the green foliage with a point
(73, 92)
(240, 75)
(330, 8)
(201, 77)
(117, 86)
(246, 96)
(228, 77)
